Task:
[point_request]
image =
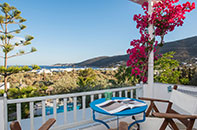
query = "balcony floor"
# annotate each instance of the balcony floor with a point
(150, 124)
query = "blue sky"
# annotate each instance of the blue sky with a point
(69, 31)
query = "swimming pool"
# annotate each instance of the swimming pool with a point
(60, 109)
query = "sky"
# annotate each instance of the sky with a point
(71, 31)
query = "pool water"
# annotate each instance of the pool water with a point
(60, 109)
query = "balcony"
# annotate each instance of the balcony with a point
(78, 114)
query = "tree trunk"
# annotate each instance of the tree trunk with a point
(5, 59)
(5, 76)
(5, 84)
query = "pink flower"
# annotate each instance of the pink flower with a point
(166, 17)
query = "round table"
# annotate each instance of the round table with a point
(127, 112)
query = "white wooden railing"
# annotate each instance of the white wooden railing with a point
(126, 91)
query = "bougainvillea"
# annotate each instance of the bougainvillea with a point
(167, 15)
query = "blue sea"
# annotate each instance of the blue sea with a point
(54, 67)
(57, 67)
(62, 67)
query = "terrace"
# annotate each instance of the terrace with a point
(79, 118)
(79, 114)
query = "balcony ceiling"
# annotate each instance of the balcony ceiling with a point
(142, 1)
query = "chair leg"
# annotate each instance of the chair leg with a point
(190, 124)
(172, 123)
(164, 125)
(149, 109)
(155, 108)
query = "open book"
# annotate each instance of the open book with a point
(114, 106)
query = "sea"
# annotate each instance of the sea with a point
(56, 67)
(62, 67)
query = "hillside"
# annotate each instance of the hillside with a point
(104, 61)
(185, 49)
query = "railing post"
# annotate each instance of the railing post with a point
(75, 109)
(43, 112)
(65, 110)
(3, 111)
(84, 106)
(142, 89)
(114, 94)
(31, 108)
(137, 91)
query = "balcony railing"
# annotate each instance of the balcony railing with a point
(84, 98)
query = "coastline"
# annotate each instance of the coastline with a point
(50, 69)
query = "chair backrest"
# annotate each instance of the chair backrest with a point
(15, 125)
(186, 102)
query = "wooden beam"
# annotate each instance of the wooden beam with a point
(139, 1)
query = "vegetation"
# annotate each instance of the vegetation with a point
(11, 24)
(24, 92)
(86, 79)
(124, 77)
(31, 84)
(194, 80)
(166, 68)
(60, 82)
(188, 75)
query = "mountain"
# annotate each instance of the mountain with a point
(104, 61)
(185, 50)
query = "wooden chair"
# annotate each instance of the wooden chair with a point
(152, 107)
(16, 126)
(181, 100)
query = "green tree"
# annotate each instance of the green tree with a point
(86, 78)
(1, 92)
(124, 77)
(166, 69)
(11, 23)
(24, 92)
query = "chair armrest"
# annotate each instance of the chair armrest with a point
(152, 99)
(172, 115)
(47, 124)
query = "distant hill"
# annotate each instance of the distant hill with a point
(104, 61)
(185, 49)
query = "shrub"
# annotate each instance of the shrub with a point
(194, 80)
(184, 81)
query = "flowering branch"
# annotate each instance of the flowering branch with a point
(165, 18)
